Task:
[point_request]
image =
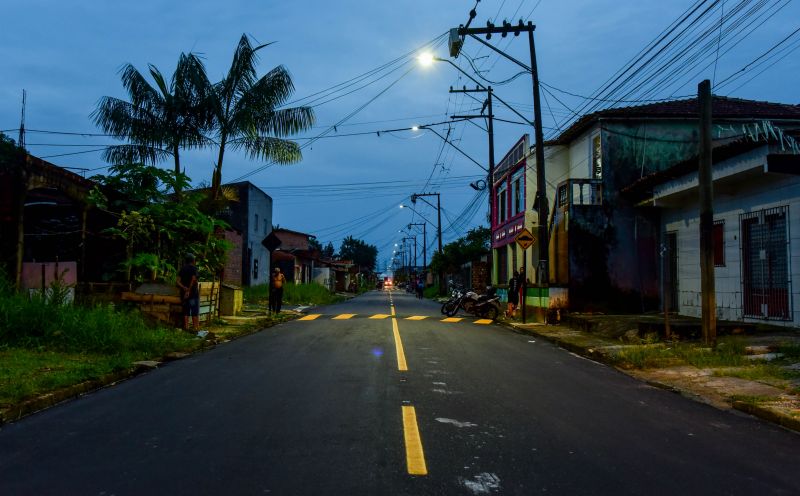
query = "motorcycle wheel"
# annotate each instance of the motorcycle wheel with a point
(491, 313)
(452, 310)
(444, 307)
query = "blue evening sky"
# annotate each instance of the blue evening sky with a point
(67, 55)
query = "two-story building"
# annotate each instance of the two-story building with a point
(605, 246)
(251, 221)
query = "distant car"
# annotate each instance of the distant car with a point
(387, 283)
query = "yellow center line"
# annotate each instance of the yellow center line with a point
(398, 344)
(415, 457)
(311, 316)
(393, 314)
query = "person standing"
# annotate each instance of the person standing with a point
(513, 294)
(276, 290)
(190, 293)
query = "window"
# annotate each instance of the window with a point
(597, 158)
(502, 201)
(518, 192)
(255, 224)
(718, 234)
(765, 264)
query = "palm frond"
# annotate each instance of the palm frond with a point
(270, 148)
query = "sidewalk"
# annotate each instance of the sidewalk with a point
(603, 339)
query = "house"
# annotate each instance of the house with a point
(604, 246)
(294, 256)
(514, 188)
(250, 219)
(46, 218)
(756, 184)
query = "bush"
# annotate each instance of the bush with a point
(293, 294)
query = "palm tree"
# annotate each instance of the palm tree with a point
(246, 113)
(157, 121)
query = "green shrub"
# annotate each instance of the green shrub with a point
(293, 294)
(35, 323)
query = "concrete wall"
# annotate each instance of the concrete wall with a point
(753, 193)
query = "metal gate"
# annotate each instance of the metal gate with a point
(766, 285)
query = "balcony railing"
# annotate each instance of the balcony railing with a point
(580, 192)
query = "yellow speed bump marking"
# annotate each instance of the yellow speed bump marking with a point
(311, 316)
(452, 319)
(483, 321)
(344, 316)
(398, 344)
(415, 457)
(380, 316)
(417, 317)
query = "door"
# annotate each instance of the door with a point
(671, 271)
(765, 264)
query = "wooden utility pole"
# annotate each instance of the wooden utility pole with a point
(706, 189)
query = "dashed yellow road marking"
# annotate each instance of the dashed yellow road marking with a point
(415, 457)
(398, 344)
(483, 321)
(311, 316)
(380, 316)
(344, 316)
(452, 319)
(417, 317)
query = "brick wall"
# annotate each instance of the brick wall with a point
(232, 273)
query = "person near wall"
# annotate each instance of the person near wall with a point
(513, 294)
(190, 293)
(276, 290)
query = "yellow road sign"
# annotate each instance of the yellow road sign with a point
(525, 239)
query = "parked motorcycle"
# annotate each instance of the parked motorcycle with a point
(488, 305)
(466, 301)
(455, 295)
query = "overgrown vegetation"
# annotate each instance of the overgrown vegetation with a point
(157, 227)
(728, 358)
(45, 345)
(463, 250)
(293, 294)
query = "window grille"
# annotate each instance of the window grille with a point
(766, 283)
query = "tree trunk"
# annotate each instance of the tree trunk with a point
(216, 179)
(176, 155)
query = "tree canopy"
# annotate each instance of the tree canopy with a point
(362, 254)
(463, 250)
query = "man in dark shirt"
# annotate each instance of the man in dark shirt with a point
(190, 293)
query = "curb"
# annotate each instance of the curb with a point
(30, 406)
(760, 412)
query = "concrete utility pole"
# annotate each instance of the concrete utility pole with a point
(421, 196)
(706, 189)
(456, 42)
(490, 128)
(424, 242)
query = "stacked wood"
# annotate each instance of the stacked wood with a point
(169, 309)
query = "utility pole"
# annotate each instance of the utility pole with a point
(540, 203)
(424, 242)
(438, 207)
(490, 128)
(541, 185)
(21, 140)
(706, 190)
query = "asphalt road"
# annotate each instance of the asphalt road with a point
(320, 407)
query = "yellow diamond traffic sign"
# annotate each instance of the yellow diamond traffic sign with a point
(525, 239)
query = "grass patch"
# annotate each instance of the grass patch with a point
(730, 352)
(294, 294)
(45, 346)
(762, 372)
(28, 373)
